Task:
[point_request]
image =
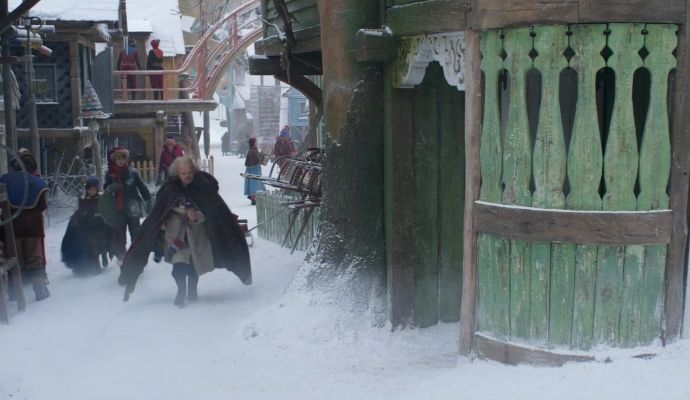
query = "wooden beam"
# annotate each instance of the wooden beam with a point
(131, 123)
(513, 354)
(430, 16)
(21, 9)
(680, 173)
(299, 65)
(663, 11)
(473, 116)
(54, 133)
(374, 45)
(307, 87)
(581, 227)
(491, 14)
(308, 41)
(139, 107)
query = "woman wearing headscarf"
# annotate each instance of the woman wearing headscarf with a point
(253, 167)
(154, 61)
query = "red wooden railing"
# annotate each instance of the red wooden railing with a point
(221, 43)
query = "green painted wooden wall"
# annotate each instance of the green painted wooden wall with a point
(614, 156)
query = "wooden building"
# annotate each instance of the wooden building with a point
(60, 76)
(534, 167)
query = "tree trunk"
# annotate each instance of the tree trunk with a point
(351, 222)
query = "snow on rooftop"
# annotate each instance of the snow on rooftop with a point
(73, 10)
(164, 21)
(139, 25)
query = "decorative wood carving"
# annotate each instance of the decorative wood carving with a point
(416, 52)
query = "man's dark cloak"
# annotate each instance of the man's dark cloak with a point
(228, 243)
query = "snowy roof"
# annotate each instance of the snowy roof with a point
(164, 22)
(139, 25)
(73, 10)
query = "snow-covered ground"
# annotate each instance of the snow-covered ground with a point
(271, 340)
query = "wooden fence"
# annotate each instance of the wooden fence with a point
(273, 219)
(575, 118)
(149, 170)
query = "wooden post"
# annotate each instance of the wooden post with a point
(31, 112)
(75, 80)
(680, 169)
(353, 107)
(158, 136)
(207, 133)
(473, 111)
(10, 117)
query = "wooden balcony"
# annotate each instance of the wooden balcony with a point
(191, 86)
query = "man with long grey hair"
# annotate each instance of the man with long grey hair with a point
(196, 229)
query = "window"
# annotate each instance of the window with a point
(304, 109)
(45, 87)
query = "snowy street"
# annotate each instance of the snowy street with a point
(263, 342)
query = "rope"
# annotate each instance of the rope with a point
(272, 216)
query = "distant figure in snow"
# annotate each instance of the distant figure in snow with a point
(88, 236)
(225, 143)
(199, 231)
(128, 60)
(284, 147)
(154, 61)
(253, 166)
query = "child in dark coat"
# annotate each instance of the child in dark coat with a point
(87, 236)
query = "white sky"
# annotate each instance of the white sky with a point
(275, 339)
(164, 20)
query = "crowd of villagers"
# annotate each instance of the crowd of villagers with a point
(186, 223)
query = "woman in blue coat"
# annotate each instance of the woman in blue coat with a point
(253, 164)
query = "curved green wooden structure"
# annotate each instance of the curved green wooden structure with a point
(575, 295)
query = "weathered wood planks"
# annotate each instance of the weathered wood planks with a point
(597, 267)
(585, 161)
(490, 250)
(655, 166)
(426, 166)
(451, 186)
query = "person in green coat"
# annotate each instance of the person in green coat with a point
(128, 192)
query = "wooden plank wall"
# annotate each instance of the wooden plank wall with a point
(569, 294)
(438, 129)
(425, 192)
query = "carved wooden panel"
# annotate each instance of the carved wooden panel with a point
(416, 52)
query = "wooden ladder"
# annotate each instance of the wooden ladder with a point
(10, 275)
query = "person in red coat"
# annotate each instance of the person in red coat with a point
(129, 61)
(154, 61)
(170, 151)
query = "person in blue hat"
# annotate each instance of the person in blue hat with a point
(87, 236)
